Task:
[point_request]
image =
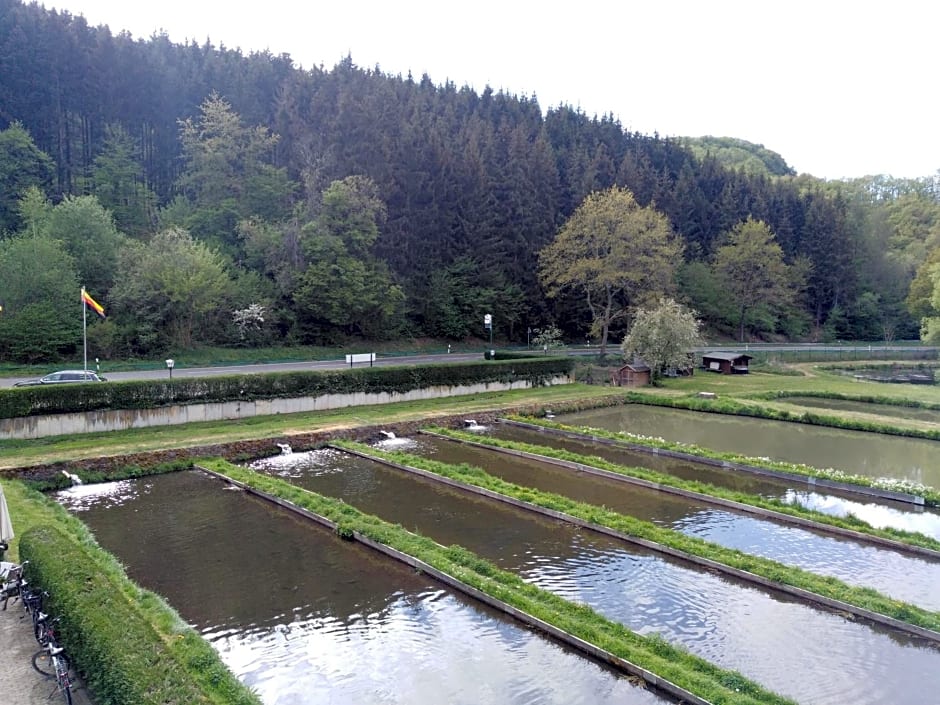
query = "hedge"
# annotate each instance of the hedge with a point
(129, 646)
(149, 394)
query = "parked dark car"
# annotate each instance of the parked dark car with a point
(63, 377)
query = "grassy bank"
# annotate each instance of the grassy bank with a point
(131, 647)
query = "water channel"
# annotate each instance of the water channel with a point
(813, 656)
(857, 452)
(901, 576)
(307, 619)
(877, 512)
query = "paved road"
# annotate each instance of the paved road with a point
(20, 684)
(178, 372)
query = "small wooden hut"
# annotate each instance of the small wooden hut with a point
(726, 363)
(635, 374)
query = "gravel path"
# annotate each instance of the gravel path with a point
(20, 683)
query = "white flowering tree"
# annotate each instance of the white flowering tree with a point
(249, 322)
(663, 337)
(548, 338)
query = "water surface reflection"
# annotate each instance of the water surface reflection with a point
(899, 575)
(305, 618)
(869, 454)
(879, 513)
(723, 620)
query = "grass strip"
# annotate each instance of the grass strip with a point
(733, 407)
(862, 398)
(130, 646)
(849, 522)
(931, 495)
(826, 586)
(714, 684)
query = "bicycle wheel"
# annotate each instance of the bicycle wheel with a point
(42, 662)
(63, 679)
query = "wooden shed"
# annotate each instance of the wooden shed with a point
(635, 374)
(727, 363)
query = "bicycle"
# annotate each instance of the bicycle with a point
(52, 662)
(32, 603)
(12, 576)
(44, 629)
(46, 636)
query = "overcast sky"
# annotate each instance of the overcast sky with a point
(839, 89)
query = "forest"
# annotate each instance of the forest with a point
(207, 197)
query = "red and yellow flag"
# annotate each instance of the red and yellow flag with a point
(92, 304)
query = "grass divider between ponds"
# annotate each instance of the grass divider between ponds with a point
(699, 677)
(734, 407)
(900, 539)
(832, 592)
(930, 495)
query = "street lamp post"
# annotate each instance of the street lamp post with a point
(488, 323)
(169, 365)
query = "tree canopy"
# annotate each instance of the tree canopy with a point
(663, 336)
(239, 151)
(752, 271)
(613, 252)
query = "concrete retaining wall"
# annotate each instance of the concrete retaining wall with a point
(122, 419)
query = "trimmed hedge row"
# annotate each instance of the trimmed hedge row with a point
(60, 399)
(509, 355)
(108, 627)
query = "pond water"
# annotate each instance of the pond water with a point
(891, 410)
(880, 513)
(306, 618)
(899, 575)
(857, 452)
(724, 620)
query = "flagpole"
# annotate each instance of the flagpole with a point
(84, 335)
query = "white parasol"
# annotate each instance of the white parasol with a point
(6, 526)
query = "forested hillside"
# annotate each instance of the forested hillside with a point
(207, 197)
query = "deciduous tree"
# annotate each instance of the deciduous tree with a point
(41, 317)
(613, 252)
(750, 264)
(345, 289)
(175, 288)
(663, 336)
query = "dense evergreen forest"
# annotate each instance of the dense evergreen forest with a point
(203, 196)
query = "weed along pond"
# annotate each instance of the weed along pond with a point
(811, 655)
(900, 575)
(306, 618)
(880, 513)
(857, 452)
